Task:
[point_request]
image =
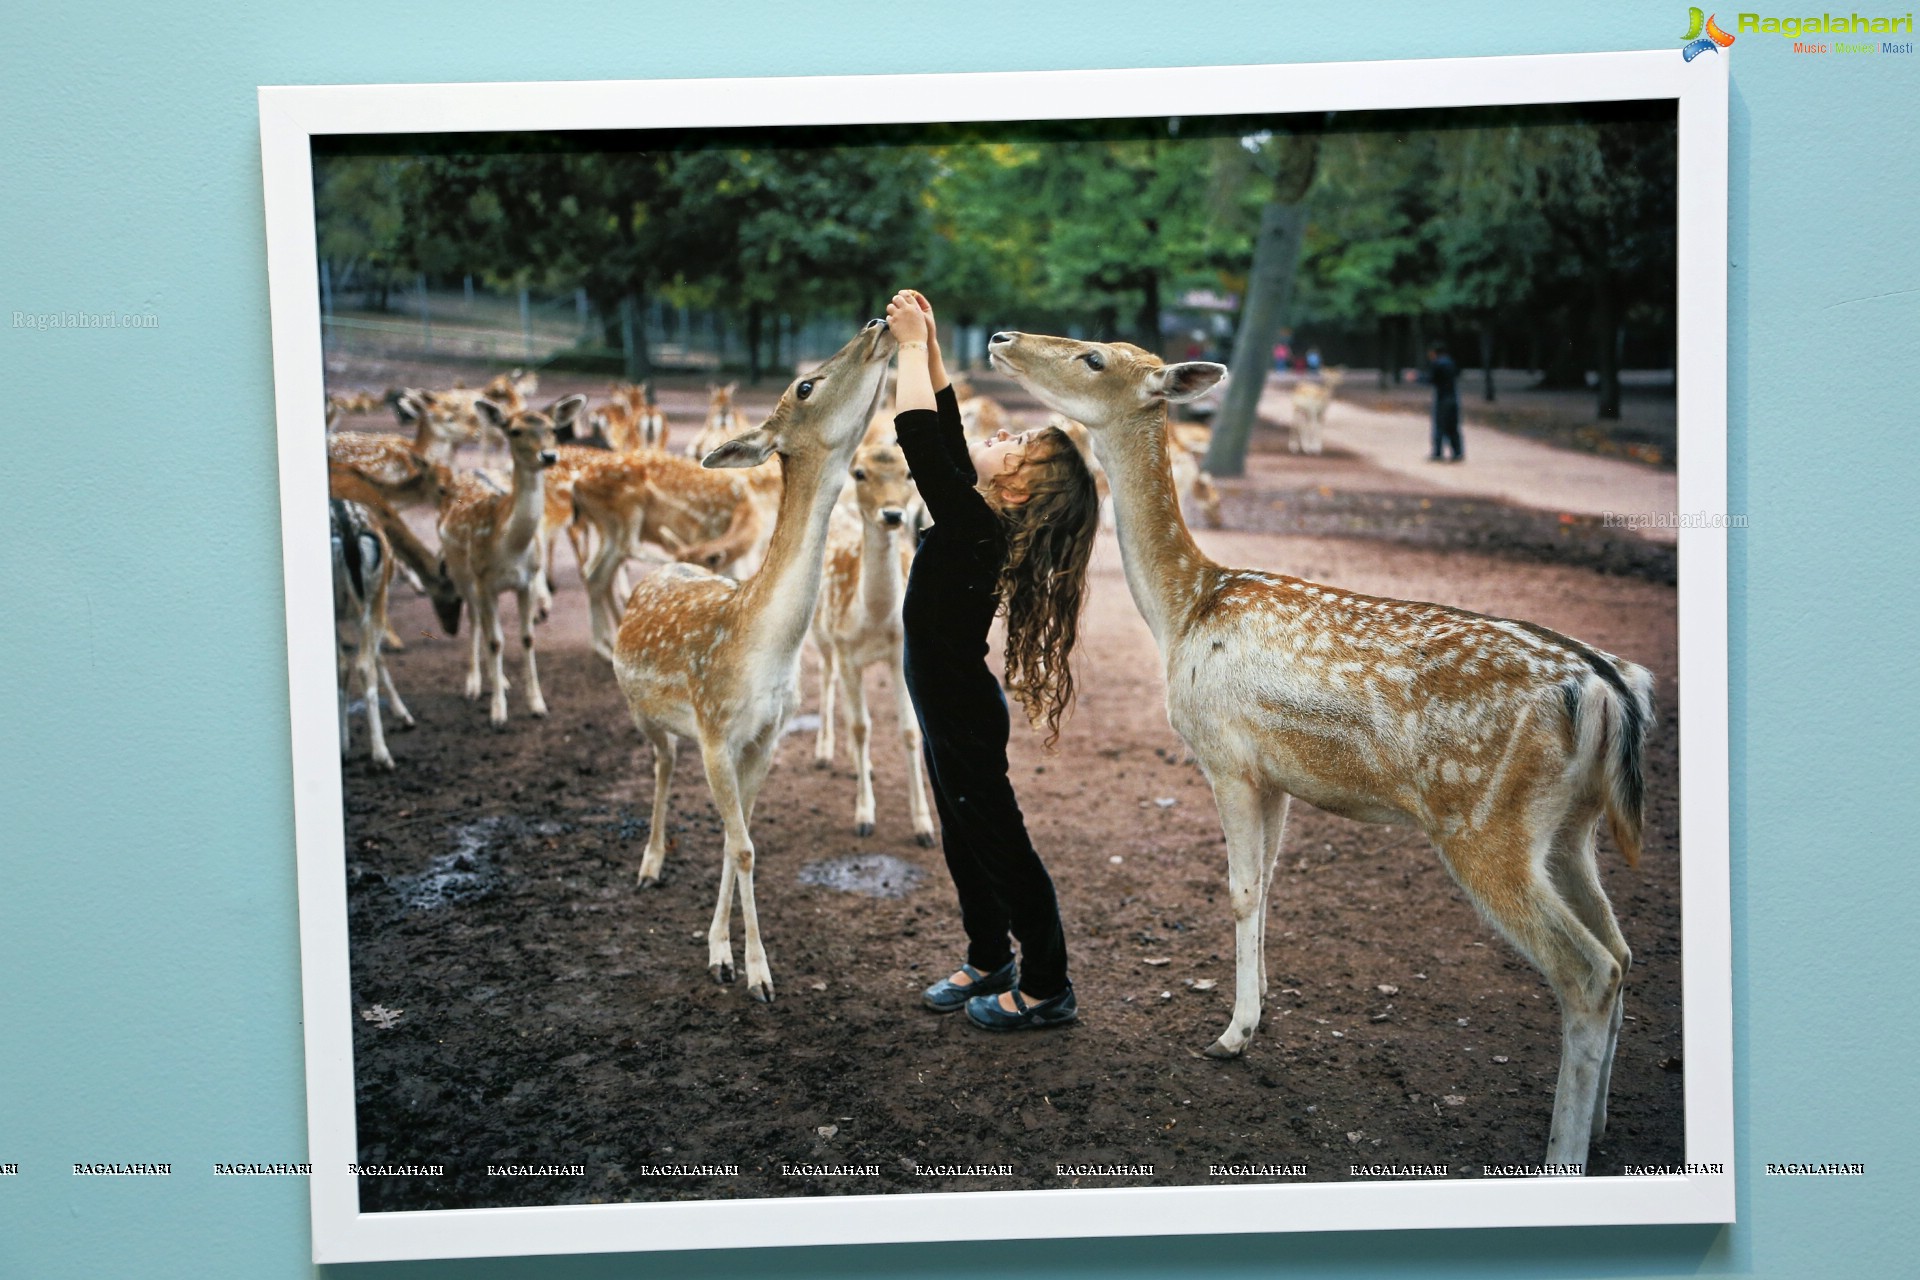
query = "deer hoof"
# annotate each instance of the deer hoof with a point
(1219, 1049)
(924, 839)
(823, 762)
(722, 973)
(385, 762)
(761, 991)
(863, 828)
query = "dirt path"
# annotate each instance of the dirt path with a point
(555, 1014)
(1499, 465)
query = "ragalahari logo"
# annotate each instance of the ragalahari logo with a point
(1694, 43)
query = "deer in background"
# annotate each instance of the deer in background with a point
(362, 572)
(385, 474)
(722, 424)
(672, 502)
(1504, 742)
(704, 657)
(1310, 401)
(1189, 481)
(492, 544)
(857, 623)
(631, 420)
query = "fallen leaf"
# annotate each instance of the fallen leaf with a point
(1205, 984)
(1167, 802)
(827, 1130)
(381, 1016)
(1157, 961)
(1387, 989)
(816, 986)
(1455, 1100)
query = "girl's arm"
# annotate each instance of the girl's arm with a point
(925, 429)
(953, 432)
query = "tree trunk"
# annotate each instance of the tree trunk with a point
(1149, 318)
(1276, 254)
(636, 361)
(1606, 323)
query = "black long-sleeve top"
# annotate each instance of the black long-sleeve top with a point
(952, 591)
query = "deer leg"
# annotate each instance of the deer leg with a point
(1274, 821)
(580, 537)
(368, 662)
(916, 762)
(725, 779)
(496, 650)
(829, 690)
(536, 703)
(853, 687)
(1571, 865)
(476, 646)
(400, 712)
(343, 670)
(1504, 871)
(655, 857)
(1241, 817)
(754, 763)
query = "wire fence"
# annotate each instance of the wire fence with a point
(534, 329)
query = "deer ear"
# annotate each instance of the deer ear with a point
(749, 450)
(493, 413)
(563, 412)
(407, 407)
(1189, 380)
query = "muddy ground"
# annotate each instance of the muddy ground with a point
(552, 1013)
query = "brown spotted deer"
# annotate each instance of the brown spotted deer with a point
(362, 573)
(386, 474)
(722, 424)
(1310, 401)
(631, 420)
(1504, 742)
(669, 501)
(857, 623)
(492, 544)
(704, 657)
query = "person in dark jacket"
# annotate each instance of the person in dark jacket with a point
(1445, 376)
(1014, 525)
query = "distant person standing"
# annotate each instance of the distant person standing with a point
(1445, 376)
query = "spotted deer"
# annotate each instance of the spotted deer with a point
(631, 420)
(1190, 483)
(386, 474)
(492, 544)
(1310, 401)
(1504, 742)
(669, 501)
(362, 573)
(722, 424)
(457, 414)
(857, 624)
(704, 657)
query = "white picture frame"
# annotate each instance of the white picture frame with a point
(291, 117)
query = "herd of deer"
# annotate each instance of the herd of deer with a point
(1505, 743)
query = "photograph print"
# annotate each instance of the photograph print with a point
(1027, 655)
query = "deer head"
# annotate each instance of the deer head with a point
(1099, 383)
(824, 412)
(882, 486)
(530, 433)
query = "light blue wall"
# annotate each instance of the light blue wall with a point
(148, 973)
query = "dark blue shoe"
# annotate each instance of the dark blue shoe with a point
(1055, 1011)
(945, 996)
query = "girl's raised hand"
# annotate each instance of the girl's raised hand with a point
(905, 318)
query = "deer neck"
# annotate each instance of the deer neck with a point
(778, 599)
(529, 504)
(881, 584)
(1165, 569)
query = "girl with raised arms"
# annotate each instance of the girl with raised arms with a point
(1014, 523)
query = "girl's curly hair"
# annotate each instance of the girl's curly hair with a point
(1043, 581)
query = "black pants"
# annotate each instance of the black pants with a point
(1004, 888)
(1446, 428)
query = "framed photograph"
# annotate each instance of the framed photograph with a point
(1387, 812)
